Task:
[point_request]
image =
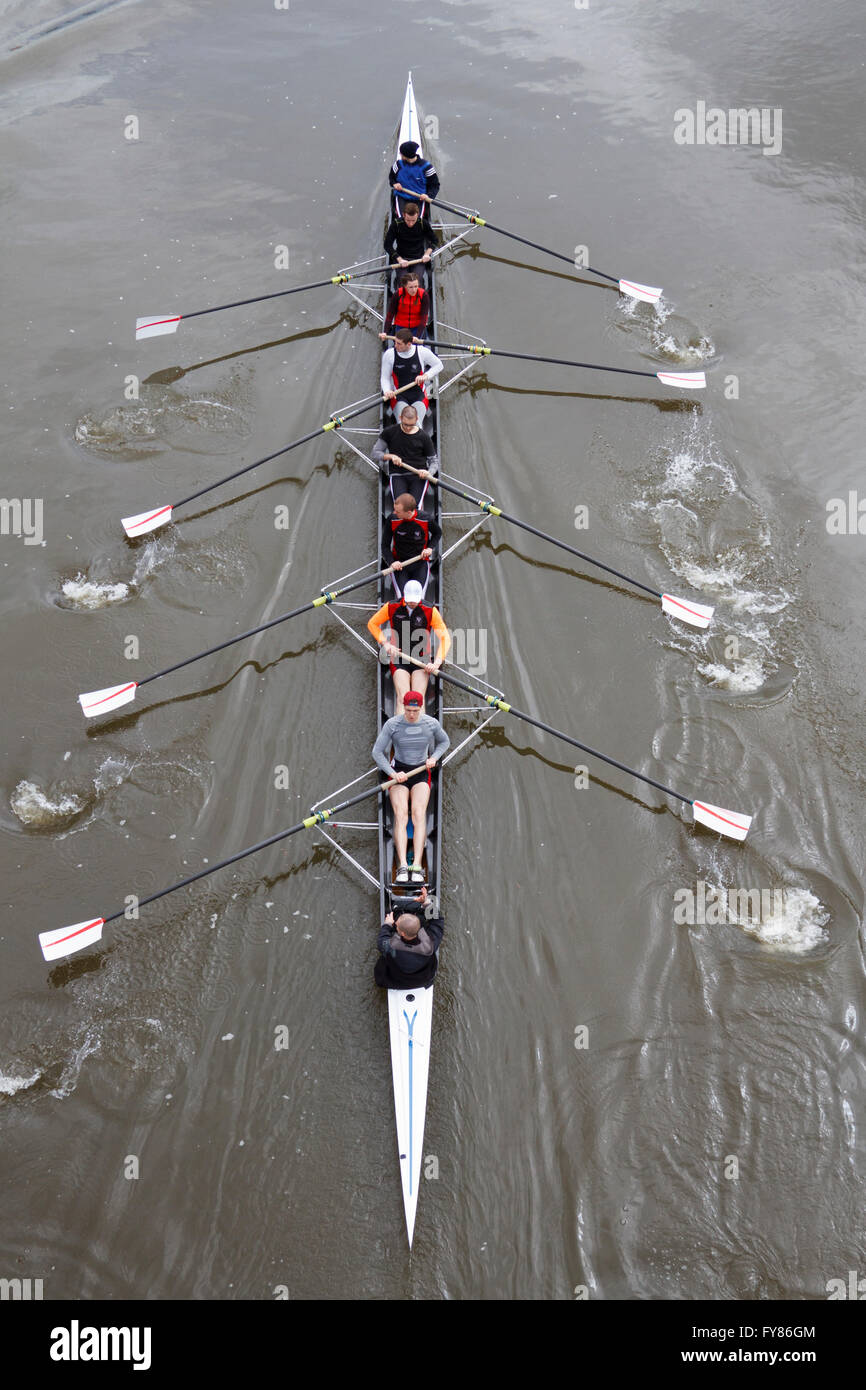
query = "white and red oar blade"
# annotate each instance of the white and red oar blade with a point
(146, 521)
(696, 614)
(67, 940)
(156, 325)
(691, 381)
(101, 701)
(730, 823)
(647, 294)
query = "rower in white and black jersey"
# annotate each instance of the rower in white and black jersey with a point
(408, 364)
(402, 443)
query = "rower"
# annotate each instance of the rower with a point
(414, 175)
(406, 363)
(408, 308)
(410, 238)
(412, 625)
(408, 947)
(416, 738)
(402, 443)
(405, 534)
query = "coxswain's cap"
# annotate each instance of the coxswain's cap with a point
(409, 148)
(413, 593)
(413, 697)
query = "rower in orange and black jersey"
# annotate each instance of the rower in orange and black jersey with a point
(407, 533)
(413, 626)
(408, 308)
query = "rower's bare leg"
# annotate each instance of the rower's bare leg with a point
(420, 794)
(401, 680)
(419, 682)
(400, 806)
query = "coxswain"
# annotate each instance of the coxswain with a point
(408, 307)
(402, 443)
(406, 534)
(413, 176)
(412, 625)
(416, 738)
(408, 364)
(407, 947)
(409, 238)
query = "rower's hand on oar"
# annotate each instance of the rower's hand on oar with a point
(400, 776)
(389, 920)
(390, 396)
(391, 651)
(431, 763)
(420, 379)
(427, 254)
(427, 554)
(393, 458)
(403, 264)
(432, 668)
(383, 336)
(398, 186)
(397, 564)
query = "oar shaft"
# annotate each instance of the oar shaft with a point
(491, 510)
(341, 278)
(317, 818)
(324, 599)
(482, 222)
(506, 708)
(305, 439)
(530, 357)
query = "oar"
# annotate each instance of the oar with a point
(96, 702)
(692, 381)
(696, 614)
(649, 294)
(731, 823)
(65, 940)
(160, 516)
(155, 325)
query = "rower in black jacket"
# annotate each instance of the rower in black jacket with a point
(408, 947)
(409, 238)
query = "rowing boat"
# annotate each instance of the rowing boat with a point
(410, 1012)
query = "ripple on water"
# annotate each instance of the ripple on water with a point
(162, 419)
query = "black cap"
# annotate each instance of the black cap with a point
(409, 148)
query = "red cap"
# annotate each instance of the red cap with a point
(413, 697)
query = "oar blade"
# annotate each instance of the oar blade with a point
(695, 614)
(647, 294)
(96, 702)
(146, 521)
(731, 823)
(155, 325)
(689, 381)
(66, 940)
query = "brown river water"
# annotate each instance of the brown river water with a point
(631, 1095)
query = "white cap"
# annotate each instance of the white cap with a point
(413, 593)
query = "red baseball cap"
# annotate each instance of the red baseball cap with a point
(413, 697)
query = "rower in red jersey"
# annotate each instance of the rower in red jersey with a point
(408, 308)
(406, 533)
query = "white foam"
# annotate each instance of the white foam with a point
(747, 675)
(33, 806)
(86, 593)
(796, 923)
(10, 1085)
